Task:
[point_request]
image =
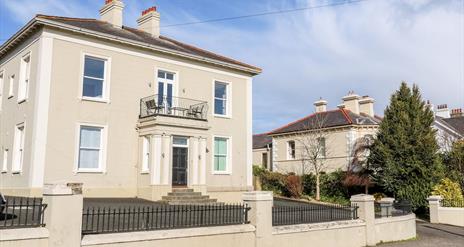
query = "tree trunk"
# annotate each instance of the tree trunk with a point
(318, 187)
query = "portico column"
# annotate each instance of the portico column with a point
(166, 158)
(156, 152)
(194, 158)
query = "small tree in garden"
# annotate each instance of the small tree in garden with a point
(404, 158)
(454, 163)
(358, 169)
(314, 149)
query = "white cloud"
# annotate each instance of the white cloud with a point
(368, 47)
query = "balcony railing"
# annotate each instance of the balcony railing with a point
(173, 106)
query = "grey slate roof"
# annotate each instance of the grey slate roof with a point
(135, 35)
(261, 141)
(335, 118)
(457, 123)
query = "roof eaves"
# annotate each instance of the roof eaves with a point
(42, 19)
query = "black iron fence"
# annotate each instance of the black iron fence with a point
(157, 217)
(452, 203)
(173, 106)
(292, 215)
(22, 212)
(393, 209)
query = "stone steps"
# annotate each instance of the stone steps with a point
(185, 196)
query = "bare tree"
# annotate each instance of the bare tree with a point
(314, 151)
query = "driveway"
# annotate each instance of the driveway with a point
(433, 235)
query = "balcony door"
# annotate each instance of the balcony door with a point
(165, 89)
(179, 161)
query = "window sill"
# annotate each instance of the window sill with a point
(16, 172)
(98, 100)
(22, 101)
(4, 171)
(222, 116)
(89, 171)
(10, 96)
(222, 173)
(145, 172)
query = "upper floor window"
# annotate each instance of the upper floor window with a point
(1, 88)
(11, 86)
(221, 155)
(221, 98)
(291, 150)
(322, 147)
(165, 88)
(94, 78)
(24, 74)
(90, 148)
(18, 149)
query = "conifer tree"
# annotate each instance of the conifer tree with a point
(404, 158)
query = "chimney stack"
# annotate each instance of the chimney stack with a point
(366, 105)
(351, 102)
(321, 105)
(457, 113)
(150, 22)
(111, 12)
(442, 111)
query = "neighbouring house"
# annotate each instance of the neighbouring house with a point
(449, 125)
(342, 128)
(262, 150)
(126, 111)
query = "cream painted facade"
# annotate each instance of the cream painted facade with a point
(54, 110)
(339, 148)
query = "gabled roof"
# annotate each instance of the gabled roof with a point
(94, 27)
(261, 140)
(327, 119)
(457, 123)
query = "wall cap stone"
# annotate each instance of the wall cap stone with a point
(257, 196)
(387, 200)
(288, 229)
(62, 188)
(362, 198)
(434, 198)
(23, 233)
(126, 237)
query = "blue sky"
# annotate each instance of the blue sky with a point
(368, 47)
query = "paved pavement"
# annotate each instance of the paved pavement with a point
(433, 235)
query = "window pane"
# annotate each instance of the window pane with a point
(94, 67)
(220, 146)
(219, 106)
(161, 74)
(88, 158)
(169, 76)
(90, 137)
(93, 88)
(160, 93)
(169, 94)
(179, 141)
(220, 163)
(220, 90)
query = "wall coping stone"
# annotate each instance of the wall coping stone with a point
(386, 220)
(62, 188)
(23, 233)
(257, 196)
(288, 229)
(434, 198)
(362, 198)
(112, 238)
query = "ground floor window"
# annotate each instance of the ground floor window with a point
(90, 148)
(18, 155)
(221, 154)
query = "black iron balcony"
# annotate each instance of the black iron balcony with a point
(173, 106)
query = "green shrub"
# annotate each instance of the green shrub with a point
(273, 181)
(309, 184)
(449, 190)
(258, 170)
(332, 184)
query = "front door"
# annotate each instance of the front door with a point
(179, 161)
